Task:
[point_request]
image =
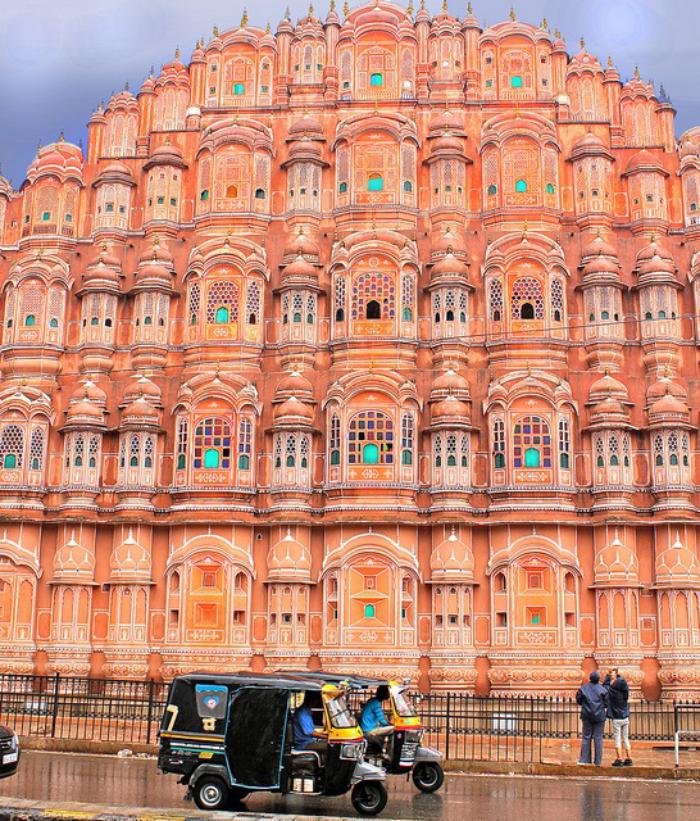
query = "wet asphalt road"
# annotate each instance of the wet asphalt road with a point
(129, 782)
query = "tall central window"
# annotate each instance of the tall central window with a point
(532, 443)
(373, 297)
(375, 182)
(222, 303)
(371, 439)
(527, 300)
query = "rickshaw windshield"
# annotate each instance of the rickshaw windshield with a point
(339, 713)
(401, 703)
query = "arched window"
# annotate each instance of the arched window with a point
(373, 310)
(245, 444)
(492, 190)
(375, 182)
(11, 446)
(212, 444)
(532, 443)
(407, 439)
(376, 79)
(335, 440)
(371, 439)
(408, 186)
(564, 444)
(516, 81)
(499, 444)
(550, 188)
(342, 188)
(520, 187)
(259, 194)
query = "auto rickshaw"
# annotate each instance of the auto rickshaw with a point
(402, 751)
(231, 735)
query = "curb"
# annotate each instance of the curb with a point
(22, 810)
(572, 770)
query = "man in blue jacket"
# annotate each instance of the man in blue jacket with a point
(619, 712)
(593, 700)
(372, 718)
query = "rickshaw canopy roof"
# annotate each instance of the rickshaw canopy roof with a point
(276, 681)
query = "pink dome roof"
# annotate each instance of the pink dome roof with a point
(643, 161)
(677, 566)
(289, 560)
(447, 120)
(301, 243)
(140, 411)
(142, 388)
(307, 127)
(294, 384)
(452, 559)
(89, 390)
(450, 381)
(669, 405)
(616, 564)
(450, 408)
(299, 268)
(84, 409)
(448, 240)
(292, 410)
(607, 386)
(599, 246)
(449, 265)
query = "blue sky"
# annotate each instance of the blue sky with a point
(59, 58)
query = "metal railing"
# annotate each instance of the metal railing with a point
(462, 726)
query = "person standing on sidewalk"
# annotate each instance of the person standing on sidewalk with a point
(593, 700)
(619, 712)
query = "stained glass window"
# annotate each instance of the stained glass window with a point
(182, 430)
(212, 444)
(371, 439)
(564, 444)
(499, 444)
(238, 88)
(532, 443)
(407, 439)
(245, 437)
(335, 440)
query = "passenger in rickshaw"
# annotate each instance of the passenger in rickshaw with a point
(307, 736)
(373, 718)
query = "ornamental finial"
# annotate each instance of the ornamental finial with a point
(610, 62)
(636, 73)
(410, 7)
(512, 15)
(177, 53)
(215, 31)
(544, 26)
(583, 44)
(346, 8)
(470, 9)
(311, 9)
(444, 6)
(61, 137)
(332, 8)
(244, 18)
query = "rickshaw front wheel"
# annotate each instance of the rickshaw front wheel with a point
(428, 776)
(369, 797)
(210, 793)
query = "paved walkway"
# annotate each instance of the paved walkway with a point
(122, 783)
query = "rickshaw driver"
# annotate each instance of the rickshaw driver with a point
(373, 719)
(306, 735)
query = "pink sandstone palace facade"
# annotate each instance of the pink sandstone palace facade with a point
(370, 344)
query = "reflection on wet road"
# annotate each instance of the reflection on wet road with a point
(129, 782)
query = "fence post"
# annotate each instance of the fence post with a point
(149, 718)
(54, 717)
(447, 728)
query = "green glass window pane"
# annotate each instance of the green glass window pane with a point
(550, 188)
(10, 461)
(46, 216)
(614, 461)
(499, 460)
(536, 618)
(238, 88)
(406, 457)
(181, 462)
(370, 611)
(521, 186)
(408, 186)
(376, 79)
(564, 461)
(335, 457)
(244, 461)
(516, 81)
(204, 195)
(53, 322)
(370, 454)
(290, 461)
(211, 458)
(133, 462)
(375, 183)
(259, 194)
(532, 458)
(30, 320)
(492, 190)
(222, 315)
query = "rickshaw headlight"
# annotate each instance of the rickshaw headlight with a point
(14, 743)
(414, 736)
(352, 752)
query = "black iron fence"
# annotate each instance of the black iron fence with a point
(461, 726)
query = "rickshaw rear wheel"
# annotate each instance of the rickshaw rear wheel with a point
(428, 776)
(369, 797)
(210, 793)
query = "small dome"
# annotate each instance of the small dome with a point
(607, 386)
(294, 384)
(84, 409)
(117, 171)
(643, 161)
(599, 246)
(447, 143)
(142, 387)
(668, 405)
(140, 411)
(289, 560)
(449, 265)
(663, 386)
(448, 241)
(158, 252)
(655, 259)
(89, 390)
(448, 409)
(293, 411)
(452, 560)
(677, 566)
(450, 381)
(447, 120)
(299, 268)
(301, 243)
(166, 154)
(305, 150)
(307, 127)
(616, 564)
